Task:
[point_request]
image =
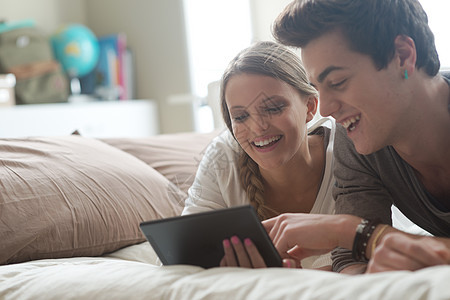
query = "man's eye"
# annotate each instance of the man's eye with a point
(338, 84)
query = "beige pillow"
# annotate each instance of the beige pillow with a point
(75, 196)
(176, 156)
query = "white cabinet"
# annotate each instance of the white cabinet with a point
(100, 119)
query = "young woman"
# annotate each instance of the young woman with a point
(269, 156)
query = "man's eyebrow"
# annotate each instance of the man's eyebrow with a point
(327, 71)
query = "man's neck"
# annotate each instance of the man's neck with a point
(425, 147)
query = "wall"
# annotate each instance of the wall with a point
(155, 33)
(264, 13)
(48, 14)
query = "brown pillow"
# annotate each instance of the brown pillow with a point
(176, 156)
(74, 196)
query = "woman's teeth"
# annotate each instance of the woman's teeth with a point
(266, 142)
(350, 123)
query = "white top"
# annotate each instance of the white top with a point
(217, 185)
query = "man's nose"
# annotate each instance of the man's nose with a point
(328, 105)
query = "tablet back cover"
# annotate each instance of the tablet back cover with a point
(197, 239)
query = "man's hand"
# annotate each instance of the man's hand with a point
(398, 251)
(302, 235)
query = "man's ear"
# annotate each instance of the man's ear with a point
(311, 104)
(405, 50)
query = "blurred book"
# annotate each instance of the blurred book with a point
(112, 79)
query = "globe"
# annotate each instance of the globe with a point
(76, 47)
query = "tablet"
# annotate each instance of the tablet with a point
(196, 239)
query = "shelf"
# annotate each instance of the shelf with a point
(99, 119)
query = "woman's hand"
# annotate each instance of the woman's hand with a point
(238, 254)
(398, 251)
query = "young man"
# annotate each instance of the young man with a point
(376, 68)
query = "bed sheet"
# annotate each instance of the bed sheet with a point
(134, 273)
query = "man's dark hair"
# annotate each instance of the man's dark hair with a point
(370, 26)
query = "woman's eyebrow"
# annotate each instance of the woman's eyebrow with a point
(237, 107)
(269, 99)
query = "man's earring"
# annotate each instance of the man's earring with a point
(406, 74)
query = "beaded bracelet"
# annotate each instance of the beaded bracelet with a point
(363, 232)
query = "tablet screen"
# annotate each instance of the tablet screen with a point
(196, 239)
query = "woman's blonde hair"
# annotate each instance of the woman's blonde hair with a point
(273, 60)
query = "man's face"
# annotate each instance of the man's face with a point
(351, 90)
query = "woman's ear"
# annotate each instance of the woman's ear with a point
(311, 105)
(405, 50)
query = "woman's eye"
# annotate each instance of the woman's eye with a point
(240, 118)
(274, 109)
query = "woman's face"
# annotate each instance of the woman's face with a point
(268, 118)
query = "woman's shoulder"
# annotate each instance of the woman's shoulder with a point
(224, 141)
(319, 125)
(223, 149)
(325, 127)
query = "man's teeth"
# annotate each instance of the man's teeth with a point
(267, 141)
(349, 122)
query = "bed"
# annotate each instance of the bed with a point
(69, 213)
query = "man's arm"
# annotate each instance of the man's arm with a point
(301, 235)
(392, 249)
(358, 191)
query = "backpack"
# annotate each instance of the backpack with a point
(26, 52)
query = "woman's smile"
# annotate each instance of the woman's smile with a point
(266, 143)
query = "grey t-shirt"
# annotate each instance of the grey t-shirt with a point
(367, 186)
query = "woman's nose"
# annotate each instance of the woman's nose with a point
(260, 123)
